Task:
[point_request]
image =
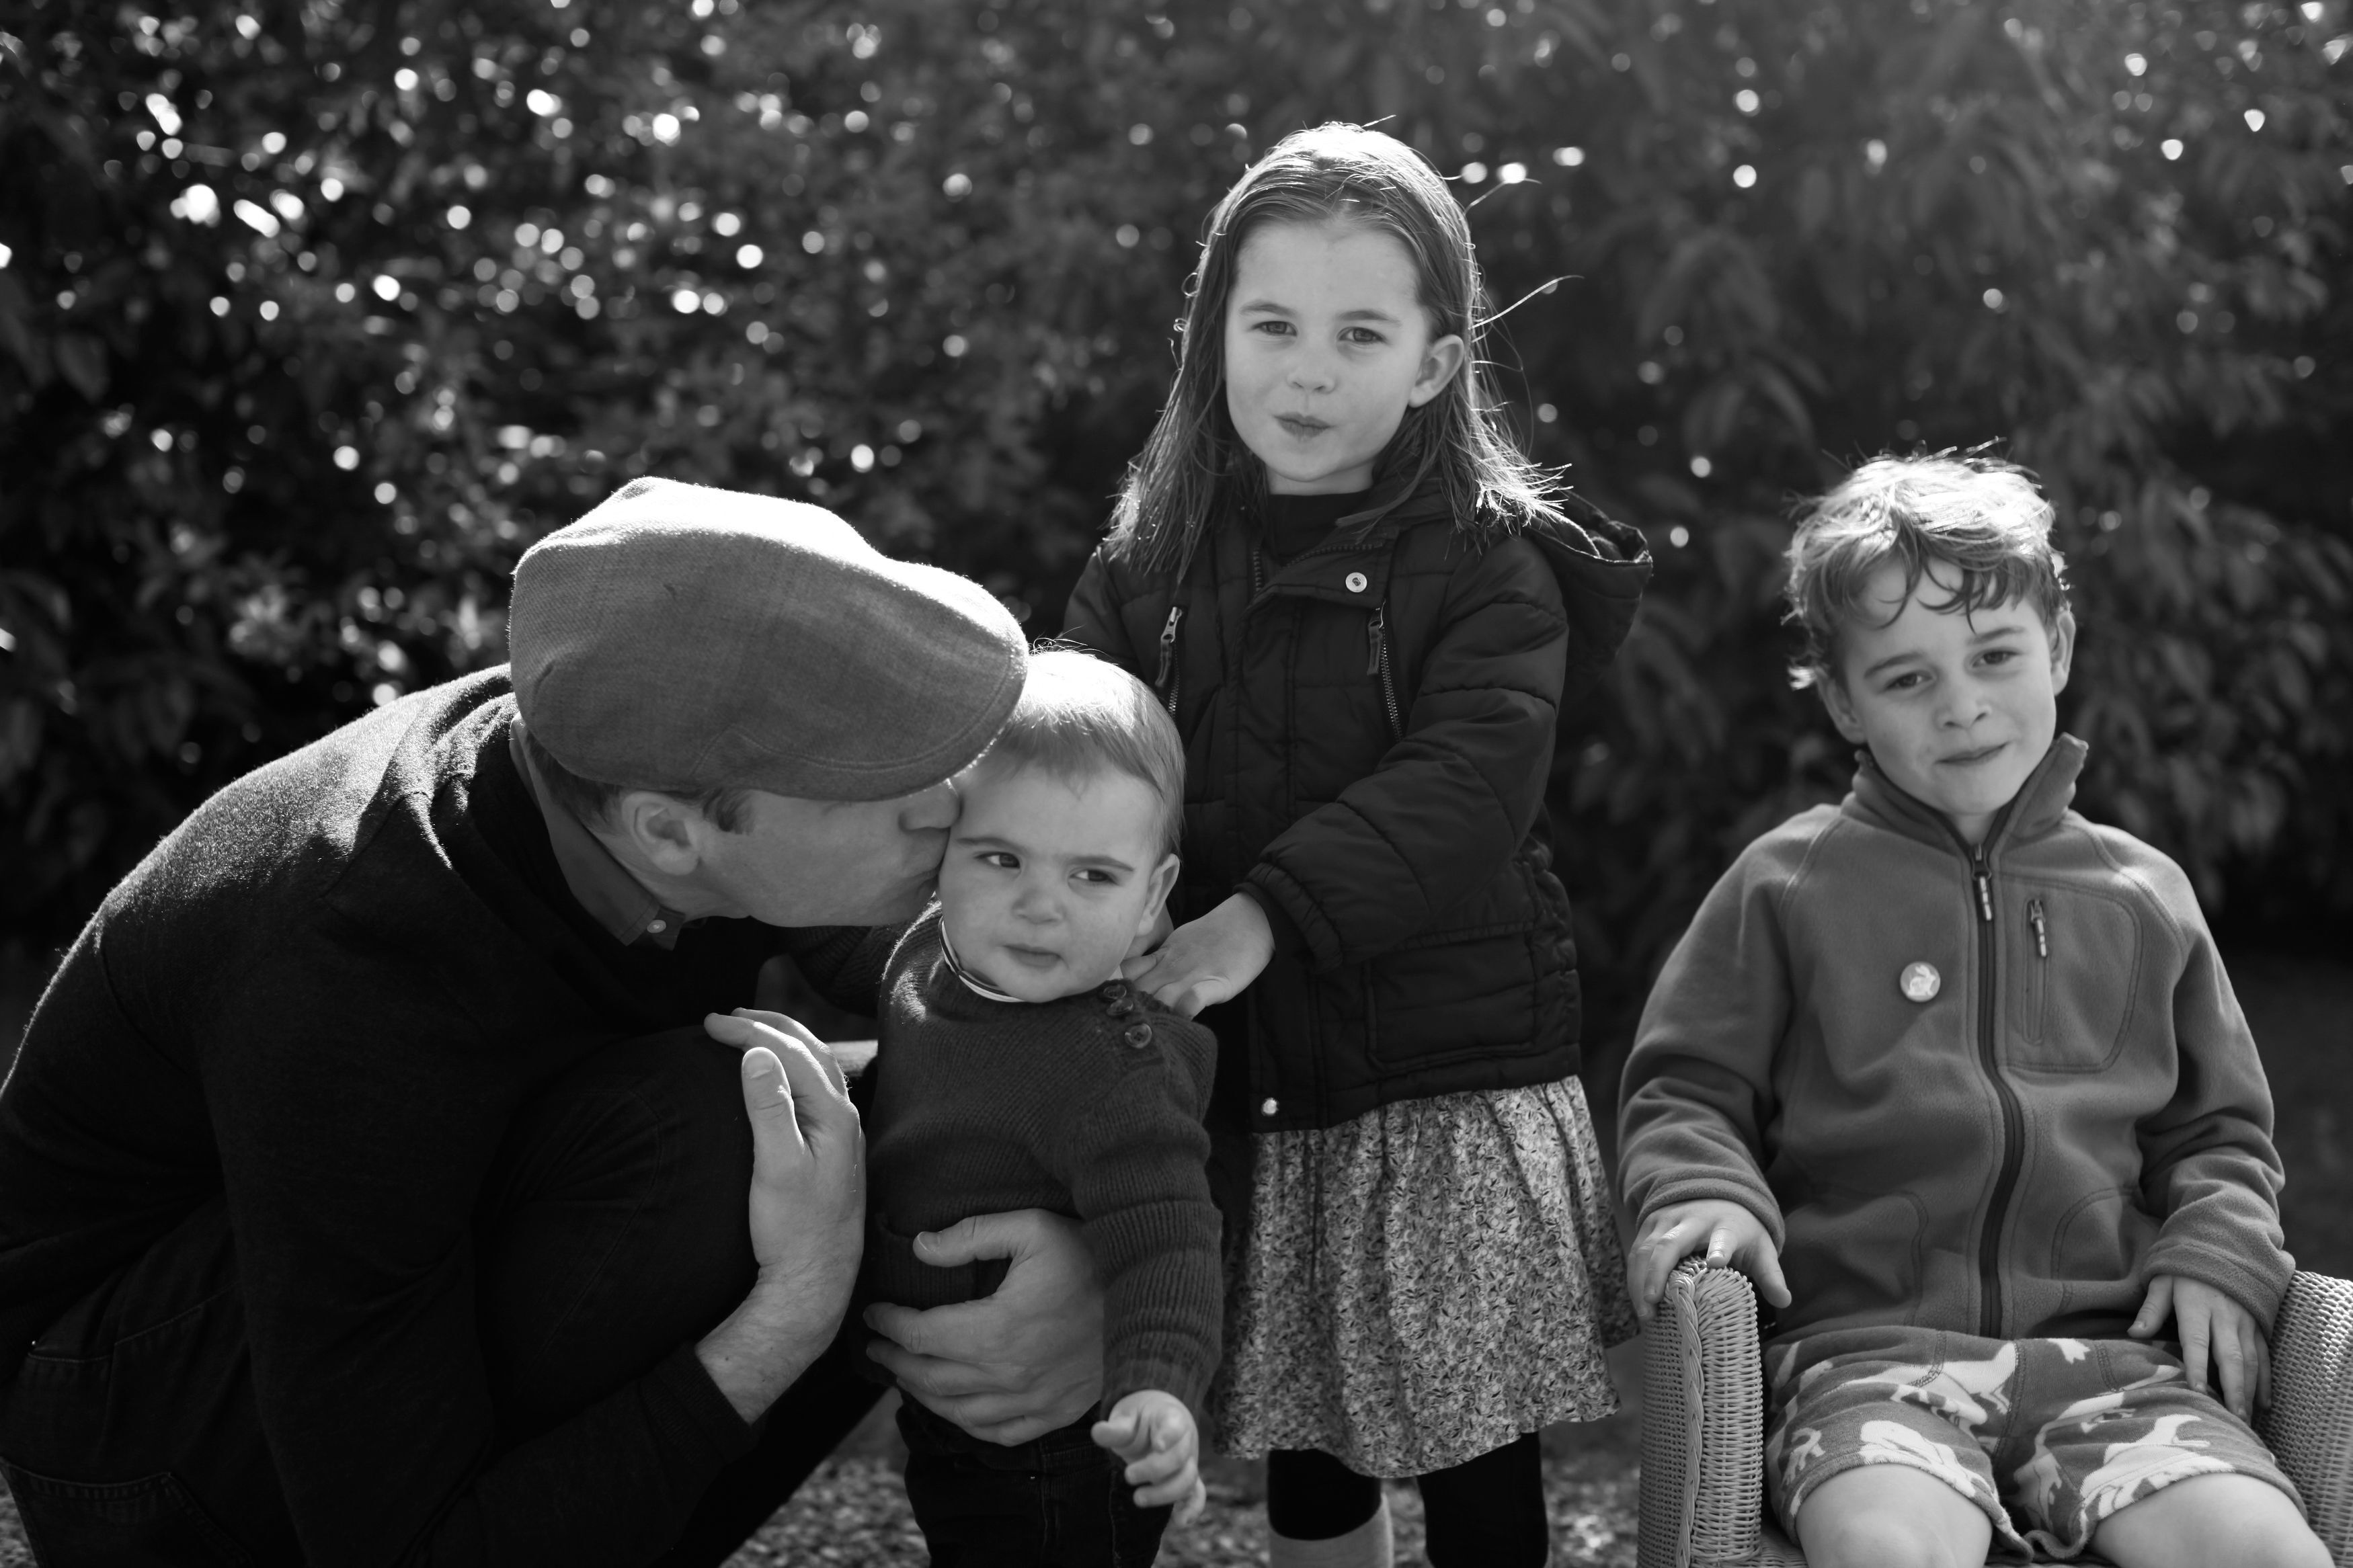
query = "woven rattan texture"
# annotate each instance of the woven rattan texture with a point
(1703, 1416)
(2310, 1423)
(1670, 1429)
(1703, 1436)
(1732, 1419)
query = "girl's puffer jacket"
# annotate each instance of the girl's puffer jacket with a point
(1369, 730)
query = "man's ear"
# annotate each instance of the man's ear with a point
(1441, 363)
(667, 831)
(1840, 706)
(1163, 879)
(2063, 648)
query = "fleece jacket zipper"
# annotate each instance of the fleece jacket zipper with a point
(2013, 1117)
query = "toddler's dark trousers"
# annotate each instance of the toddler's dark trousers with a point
(611, 1230)
(1057, 1501)
(1487, 1512)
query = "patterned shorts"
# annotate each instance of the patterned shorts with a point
(2048, 1437)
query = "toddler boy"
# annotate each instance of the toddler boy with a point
(1956, 1076)
(1018, 1070)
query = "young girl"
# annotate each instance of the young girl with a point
(1364, 611)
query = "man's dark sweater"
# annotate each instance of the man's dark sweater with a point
(1089, 1106)
(323, 998)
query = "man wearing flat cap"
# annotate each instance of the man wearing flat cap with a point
(374, 1172)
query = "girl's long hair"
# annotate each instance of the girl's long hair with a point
(1195, 462)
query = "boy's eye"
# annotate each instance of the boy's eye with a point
(1097, 877)
(1003, 859)
(1362, 335)
(1905, 681)
(1998, 655)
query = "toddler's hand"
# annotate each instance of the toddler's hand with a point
(2211, 1327)
(1207, 961)
(1154, 1433)
(1726, 1232)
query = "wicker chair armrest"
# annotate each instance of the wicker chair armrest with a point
(2309, 1424)
(1703, 1487)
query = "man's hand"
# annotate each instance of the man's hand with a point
(1154, 1434)
(1014, 1365)
(1207, 961)
(1726, 1232)
(808, 1210)
(2213, 1328)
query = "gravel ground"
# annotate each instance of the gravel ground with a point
(853, 1510)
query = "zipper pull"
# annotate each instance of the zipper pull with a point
(1984, 888)
(2042, 938)
(1169, 647)
(1373, 639)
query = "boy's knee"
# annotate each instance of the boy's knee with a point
(2202, 1519)
(1891, 1516)
(1884, 1540)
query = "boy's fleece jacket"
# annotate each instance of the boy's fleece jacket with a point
(2076, 1109)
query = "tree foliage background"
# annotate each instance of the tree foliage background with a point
(315, 314)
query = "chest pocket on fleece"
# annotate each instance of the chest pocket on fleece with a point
(2072, 971)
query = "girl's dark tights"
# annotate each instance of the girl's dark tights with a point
(1489, 1511)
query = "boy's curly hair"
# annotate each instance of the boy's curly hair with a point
(1978, 515)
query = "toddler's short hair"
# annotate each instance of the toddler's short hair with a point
(1979, 515)
(1080, 714)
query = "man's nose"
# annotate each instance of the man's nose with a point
(931, 810)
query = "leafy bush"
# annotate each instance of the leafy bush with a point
(313, 319)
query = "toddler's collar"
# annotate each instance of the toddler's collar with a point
(972, 982)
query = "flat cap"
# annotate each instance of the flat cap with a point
(684, 638)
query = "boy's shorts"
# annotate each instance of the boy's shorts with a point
(2048, 1437)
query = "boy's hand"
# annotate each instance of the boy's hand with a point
(1207, 961)
(1726, 1232)
(2211, 1326)
(1154, 1434)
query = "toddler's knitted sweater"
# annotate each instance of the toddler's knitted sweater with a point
(1089, 1106)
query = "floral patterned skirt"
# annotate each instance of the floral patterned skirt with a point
(1423, 1284)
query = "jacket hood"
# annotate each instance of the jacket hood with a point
(2034, 811)
(1603, 566)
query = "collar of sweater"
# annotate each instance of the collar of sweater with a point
(972, 982)
(2035, 810)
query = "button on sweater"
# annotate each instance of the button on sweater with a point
(1089, 1106)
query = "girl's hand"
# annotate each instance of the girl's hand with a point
(1726, 1232)
(2213, 1328)
(1154, 1433)
(1207, 961)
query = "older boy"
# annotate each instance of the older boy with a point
(1956, 1077)
(1018, 1070)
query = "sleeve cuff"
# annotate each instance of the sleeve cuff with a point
(693, 1413)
